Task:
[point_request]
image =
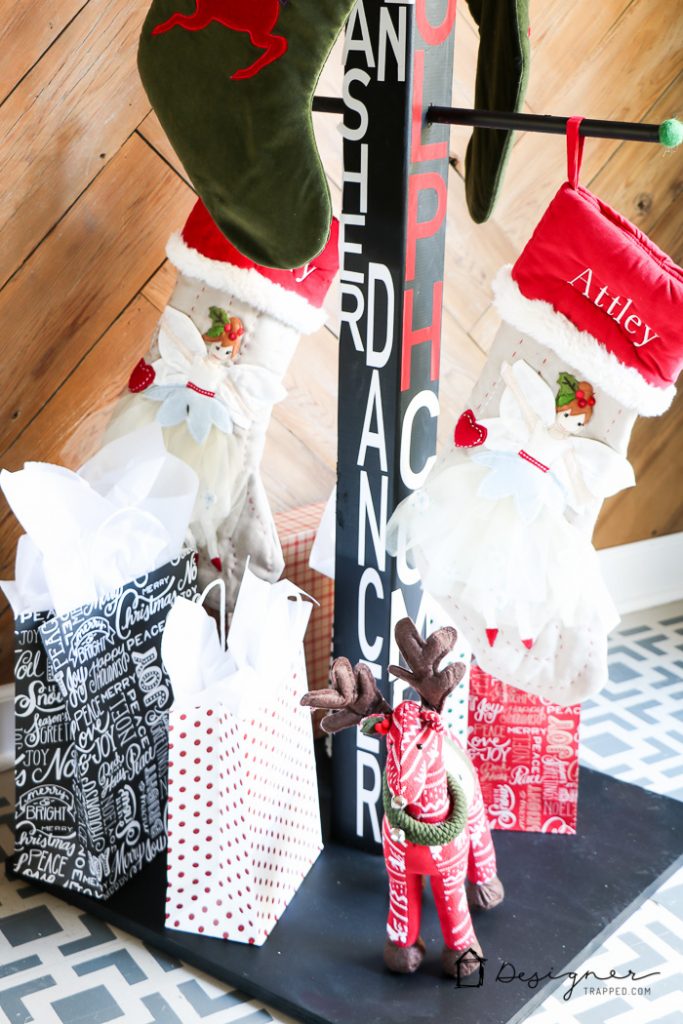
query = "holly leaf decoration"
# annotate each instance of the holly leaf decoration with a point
(370, 724)
(567, 393)
(218, 315)
(219, 321)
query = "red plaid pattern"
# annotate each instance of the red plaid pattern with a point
(297, 530)
(526, 752)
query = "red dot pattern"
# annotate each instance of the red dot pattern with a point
(244, 826)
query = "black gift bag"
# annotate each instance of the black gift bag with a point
(92, 735)
(46, 830)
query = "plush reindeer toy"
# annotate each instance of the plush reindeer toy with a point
(434, 821)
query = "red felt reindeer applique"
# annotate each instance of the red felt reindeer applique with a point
(255, 17)
(430, 828)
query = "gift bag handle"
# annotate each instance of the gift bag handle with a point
(220, 583)
(575, 143)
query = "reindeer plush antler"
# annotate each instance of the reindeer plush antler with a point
(423, 658)
(352, 696)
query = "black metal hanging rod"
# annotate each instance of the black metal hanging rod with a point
(627, 130)
(328, 104)
(549, 124)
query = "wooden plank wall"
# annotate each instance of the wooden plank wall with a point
(92, 190)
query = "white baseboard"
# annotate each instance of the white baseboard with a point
(6, 726)
(644, 574)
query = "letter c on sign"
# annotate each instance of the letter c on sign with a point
(370, 578)
(423, 400)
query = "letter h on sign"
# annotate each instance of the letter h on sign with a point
(398, 61)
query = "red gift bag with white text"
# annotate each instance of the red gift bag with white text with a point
(526, 752)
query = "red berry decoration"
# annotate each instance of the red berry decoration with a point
(579, 393)
(234, 329)
(141, 377)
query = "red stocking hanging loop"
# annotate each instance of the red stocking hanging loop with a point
(575, 143)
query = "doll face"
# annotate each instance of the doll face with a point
(219, 353)
(569, 421)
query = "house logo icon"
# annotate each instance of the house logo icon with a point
(466, 973)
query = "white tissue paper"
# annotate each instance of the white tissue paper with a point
(124, 513)
(28, 592)
(322, 554)
(243, 814)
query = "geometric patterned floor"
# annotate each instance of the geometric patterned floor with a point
(61, 966)
(650, 940)
(633, 730)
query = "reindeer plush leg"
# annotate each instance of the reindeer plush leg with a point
(404, 948)
(456, 925)
(484, 888)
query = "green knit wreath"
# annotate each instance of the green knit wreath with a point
(423, 833)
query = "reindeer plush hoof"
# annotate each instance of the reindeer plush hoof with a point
(403, 959)
(485, 896)
(459, 963)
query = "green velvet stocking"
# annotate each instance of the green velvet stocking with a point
(232, 83)
(502, 73)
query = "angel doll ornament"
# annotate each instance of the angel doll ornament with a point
(489, 528)
(214, 371)
(201, 396)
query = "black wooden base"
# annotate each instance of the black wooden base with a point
(323, 963)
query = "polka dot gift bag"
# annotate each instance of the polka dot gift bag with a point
(243, 817)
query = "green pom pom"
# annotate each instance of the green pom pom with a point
(671, 133)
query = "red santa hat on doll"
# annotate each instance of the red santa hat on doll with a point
(600, 294)
(295, 297)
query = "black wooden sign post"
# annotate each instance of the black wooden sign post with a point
(398, 61)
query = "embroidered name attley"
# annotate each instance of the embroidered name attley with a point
(586, 276)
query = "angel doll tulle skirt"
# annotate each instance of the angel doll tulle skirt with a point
(218, 462)
(513, 556)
